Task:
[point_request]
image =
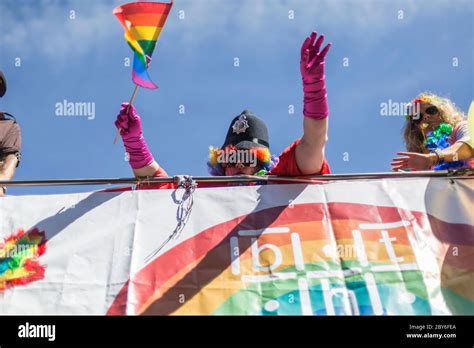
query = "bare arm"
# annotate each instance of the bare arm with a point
(459, 151)
(7, 169)
(310, 150)
(148, 170)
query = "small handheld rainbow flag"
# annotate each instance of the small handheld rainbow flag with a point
(143, 23)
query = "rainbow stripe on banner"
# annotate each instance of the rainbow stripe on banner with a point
(364, 260)
(143, 23)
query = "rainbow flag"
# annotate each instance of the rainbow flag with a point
(143, 23)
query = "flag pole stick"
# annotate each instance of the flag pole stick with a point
(128, 108)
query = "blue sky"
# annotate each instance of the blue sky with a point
(82, 60)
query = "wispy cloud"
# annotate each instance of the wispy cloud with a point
(243, 19)
(44, 27)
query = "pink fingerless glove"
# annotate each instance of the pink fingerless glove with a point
(312, 72)
(132, 136)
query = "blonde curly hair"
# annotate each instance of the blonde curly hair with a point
(449, 112)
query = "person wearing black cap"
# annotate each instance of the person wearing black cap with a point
(10, 141)
(246, 148)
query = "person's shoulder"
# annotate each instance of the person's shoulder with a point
(461, 128)
(5, 116)
(286, 164)
(9, 124)
(461, 124)
(291, 147)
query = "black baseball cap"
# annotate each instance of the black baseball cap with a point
(247, 131)
(3, 84)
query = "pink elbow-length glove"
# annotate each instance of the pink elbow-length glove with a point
(132, 136)
(312, 71)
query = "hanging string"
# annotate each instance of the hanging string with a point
(185, 205)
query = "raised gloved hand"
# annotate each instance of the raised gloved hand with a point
(130, 125)
(312, 72)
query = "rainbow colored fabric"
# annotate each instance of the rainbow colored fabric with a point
(143, 23)
(19, 254)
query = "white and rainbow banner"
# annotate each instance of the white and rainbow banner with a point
(402, 246)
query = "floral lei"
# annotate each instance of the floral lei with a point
(438, 139)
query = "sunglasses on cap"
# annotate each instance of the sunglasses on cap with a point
(432, 110)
